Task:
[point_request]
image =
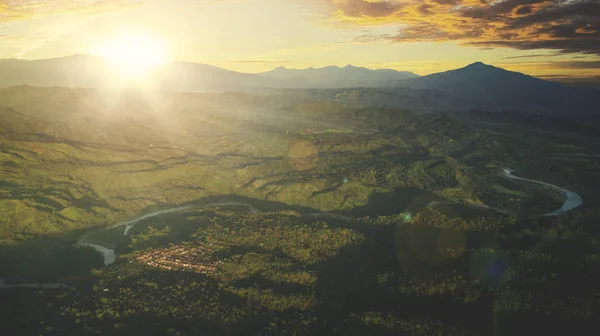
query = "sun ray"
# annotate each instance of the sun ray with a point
(132, 55)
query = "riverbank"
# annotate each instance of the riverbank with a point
(572, 200)
(109, 255)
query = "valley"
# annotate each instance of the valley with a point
(299, 167)
(281, 214)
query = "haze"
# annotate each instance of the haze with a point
(556, 40)
(300, 167)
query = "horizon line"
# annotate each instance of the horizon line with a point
(546, 77)
(349, 65)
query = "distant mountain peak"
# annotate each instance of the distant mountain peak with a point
(479, 65)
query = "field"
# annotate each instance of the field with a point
(305, 217)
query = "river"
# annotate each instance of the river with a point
(572, 201)
(109, 254)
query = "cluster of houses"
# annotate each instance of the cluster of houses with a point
(179, 258)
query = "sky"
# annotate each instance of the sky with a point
(544, 38)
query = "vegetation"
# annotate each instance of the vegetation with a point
(346, 239)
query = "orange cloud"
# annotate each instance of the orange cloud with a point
(550, 69)
(564, 25)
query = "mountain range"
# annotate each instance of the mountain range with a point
(477, 85)
(336, 77)
(79, 70)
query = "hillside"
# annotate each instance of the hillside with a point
(282, 214)
(196, 140)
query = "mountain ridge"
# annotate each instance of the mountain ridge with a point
(336, 77)
(476, 85)
(476, 64)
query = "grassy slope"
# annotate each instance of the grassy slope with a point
(73, 159)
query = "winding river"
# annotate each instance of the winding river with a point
(109, 254)
(572, 201)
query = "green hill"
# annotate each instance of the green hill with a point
(324, 217)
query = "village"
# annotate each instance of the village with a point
(180, 258)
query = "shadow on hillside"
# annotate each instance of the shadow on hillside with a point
(51, 257)
(259, 204)
(360, 280)
(400, 200)
(42, 197)
(357, 280)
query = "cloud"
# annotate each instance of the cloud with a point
(566, 68)
(554, 76)
(256, 61)
(12, 10)
(560, 64)
(579, 64)
(530, 56)
(568, 26)
(524, 10)
(584, 45)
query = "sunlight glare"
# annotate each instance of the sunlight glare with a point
(132, 55)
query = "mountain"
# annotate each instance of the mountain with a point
(90, 71)
(475, 86)
(490, 87)
(69, 71)
(186, 76)
(475, 78)
(336, 77)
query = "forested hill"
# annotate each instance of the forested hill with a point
(283, 214)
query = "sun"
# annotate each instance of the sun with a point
(132, 55)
